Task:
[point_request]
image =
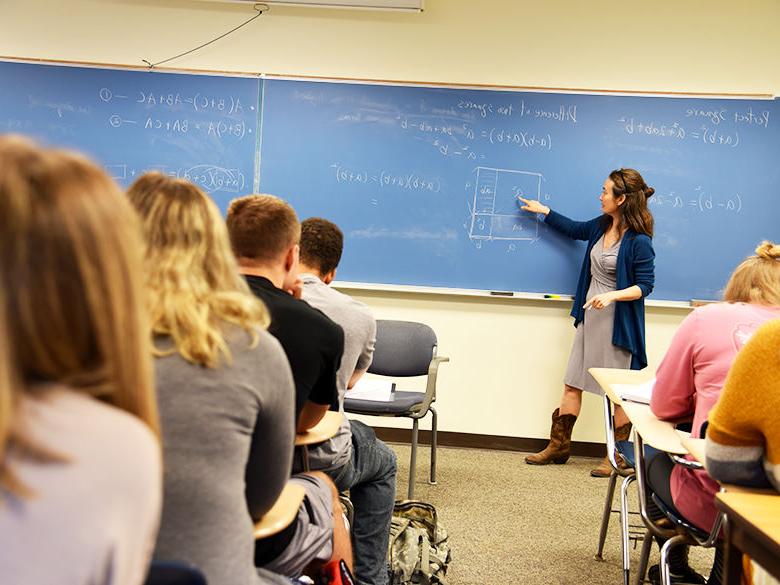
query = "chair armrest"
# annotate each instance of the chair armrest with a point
(430, 387)
(282, 513)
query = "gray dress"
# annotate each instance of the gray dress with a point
(592, 345)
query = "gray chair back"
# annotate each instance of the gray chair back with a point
(403, 348)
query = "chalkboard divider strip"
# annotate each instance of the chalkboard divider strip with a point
(485, 294)
(442, 84)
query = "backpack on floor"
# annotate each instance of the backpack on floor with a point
(419, 552)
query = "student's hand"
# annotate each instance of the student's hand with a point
(533, 206)
(600, 301)
(296, 289)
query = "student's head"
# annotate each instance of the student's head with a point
(757, 278)
(192, 279)
(265, 232)
(321, 245)
(70, 272)
(624, 196)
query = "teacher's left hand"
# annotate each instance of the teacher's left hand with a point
(600, 301)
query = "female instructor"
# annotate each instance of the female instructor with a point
(609, 311)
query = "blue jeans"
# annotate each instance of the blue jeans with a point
(370, 478)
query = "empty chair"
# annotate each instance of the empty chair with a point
(405, 349)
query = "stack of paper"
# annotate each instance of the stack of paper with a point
(372, 389)
(640, 393)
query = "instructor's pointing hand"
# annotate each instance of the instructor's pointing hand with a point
(533, 206)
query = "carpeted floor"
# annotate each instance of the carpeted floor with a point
(512, 523)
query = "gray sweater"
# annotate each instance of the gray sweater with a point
(227, 452)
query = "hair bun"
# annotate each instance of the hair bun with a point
(649, 192)
(768, 250)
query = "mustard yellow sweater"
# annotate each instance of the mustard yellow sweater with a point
(743, 437)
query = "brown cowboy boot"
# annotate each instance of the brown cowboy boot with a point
(557, 450)
(604, 469)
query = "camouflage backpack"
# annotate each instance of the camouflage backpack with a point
(418, 552)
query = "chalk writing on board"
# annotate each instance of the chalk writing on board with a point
(563, 113)
(700, 201)
(215, 128)
(409, 181)
(199, 102)
(210, 178)
(716, 116)
(494, 213)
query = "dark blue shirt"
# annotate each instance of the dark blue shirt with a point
(635, 266)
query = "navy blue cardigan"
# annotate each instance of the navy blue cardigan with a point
(635, 266)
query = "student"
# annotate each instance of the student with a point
(355, 459)
(80, 471)
(224, 386)
(264, 232)
(609, 308)
(265, 235)
(743, 436)
(691, 376)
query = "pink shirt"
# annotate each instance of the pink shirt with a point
(689, 381)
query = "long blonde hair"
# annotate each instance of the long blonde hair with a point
(70, 272)
(757, 278)
(193, 283)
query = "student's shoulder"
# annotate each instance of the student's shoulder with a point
(110, 438)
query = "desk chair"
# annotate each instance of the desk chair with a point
(606, 377)
(405, 349)
(662, 436)
(174, 573)
(319, 433)
(282, 513)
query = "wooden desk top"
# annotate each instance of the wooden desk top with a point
(657, 433)
(322, 431)
(695, 448)
(282, 513)
(761, 511)
(608, 376)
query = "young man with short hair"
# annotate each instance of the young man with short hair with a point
(264, 234)
(354, 457)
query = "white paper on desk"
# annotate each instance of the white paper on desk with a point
(372, 389)
(640, 393)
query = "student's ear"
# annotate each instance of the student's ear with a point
(329, 277)
(291, 258)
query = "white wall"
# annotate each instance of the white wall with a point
(507, 355)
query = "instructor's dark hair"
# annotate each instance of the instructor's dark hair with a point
(634, 212)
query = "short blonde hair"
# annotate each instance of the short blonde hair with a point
(71, 274)
(192, 279)
(757, 278)
(262, 227)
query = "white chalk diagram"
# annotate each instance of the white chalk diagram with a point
(495, 214)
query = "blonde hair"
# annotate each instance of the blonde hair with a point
(757, 278)
(192, 279)
(262, 227)
(70, 272)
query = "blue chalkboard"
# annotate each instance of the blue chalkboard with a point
(423, 180)
(199, 127)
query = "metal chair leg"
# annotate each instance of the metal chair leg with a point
(624, 528)
(605, 515)
(644, 557)
(664, 563)
(413, 462)
(434, 443)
